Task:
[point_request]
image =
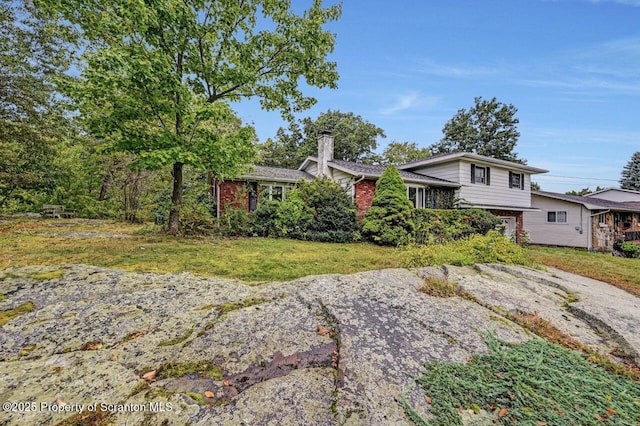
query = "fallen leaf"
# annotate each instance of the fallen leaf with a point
(112, 356)
(323, 331)
(460, 410)
(512, 396)
(500, 373)
(60, 402)
(150, 375)
(225, 382)
(599, 417)
(209, 394)
(469, 359)
(502, 412)
(541, 423)
(428, 398)
(611, 411)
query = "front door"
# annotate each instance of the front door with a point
(253, 196)
(509, 224)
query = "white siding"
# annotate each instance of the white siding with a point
(615, 195)
(344, 179)
(312, 168)
(497, 193)
(560, 234)
(449, 171)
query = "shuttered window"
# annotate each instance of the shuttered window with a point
(481, 175)
(516, 180)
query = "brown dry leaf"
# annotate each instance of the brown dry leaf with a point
(502, 412)
(60, 402)
(225, 382)
(323, 331)
(500, 373)
(541, 423)
(469, 359)
(611, 411)
(112, 357)
(460, 410)
(209, 394)
(428, 399)
(599, 417)
(150, 375)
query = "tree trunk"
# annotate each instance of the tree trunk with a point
(176, 200)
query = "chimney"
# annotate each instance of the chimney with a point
(325, 153)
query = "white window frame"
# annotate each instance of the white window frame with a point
(420, 196)
(266, 189)
(556, 216)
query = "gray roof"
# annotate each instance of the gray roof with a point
(276, 174)
(451, 156)
(372, 171)
(591, 203)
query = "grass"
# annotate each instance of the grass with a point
(45, 242)
(536, 383)
(621, 272)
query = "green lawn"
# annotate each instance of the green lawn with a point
(44, 242)
(621, 272)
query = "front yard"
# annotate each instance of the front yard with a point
(138, 248)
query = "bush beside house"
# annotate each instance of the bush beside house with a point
(390, 220)
(440, 226)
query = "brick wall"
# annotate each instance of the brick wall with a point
(364, 192)
(233, 194)
(519, 220)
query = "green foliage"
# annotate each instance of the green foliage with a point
(583, 191)
(390, 220)
(319, 210)
(403, 152)
(630, 177)
(628, 249)
(535, 382)
(159, 76)
(488, 128)
(355, 140)
(490, 248)
(440, 226)
(32, 54)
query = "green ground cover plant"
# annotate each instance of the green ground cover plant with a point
(490, 248)
(536, 383)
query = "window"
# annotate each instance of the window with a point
(516, 180)
(557, 217)
(480, 174)
(272, 192)
(416, 195)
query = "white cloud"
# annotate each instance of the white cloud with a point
(409, 101)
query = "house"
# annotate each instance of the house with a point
(587, 222)
(617, 194)
(499, 186)
(460, 179)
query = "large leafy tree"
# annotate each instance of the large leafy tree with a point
(355, 140)
(488, 128)
(631, 173)
(32, 53)
(403, 152)
(157, 75)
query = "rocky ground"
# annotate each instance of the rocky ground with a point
(112, 346)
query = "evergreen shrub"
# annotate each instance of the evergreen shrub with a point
(390, 220)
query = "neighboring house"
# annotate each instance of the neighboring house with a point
(499, 186)
(586, 222)
(626, 196)
(461, 180)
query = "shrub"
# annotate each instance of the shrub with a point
(628, 249)
(440, 226)
(389, 221)
(235, 222)
(319, 211)
(491, 248)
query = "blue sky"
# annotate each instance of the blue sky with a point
(571, 67)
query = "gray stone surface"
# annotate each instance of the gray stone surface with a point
(331, 349)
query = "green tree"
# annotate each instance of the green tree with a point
(389, 221)
(535, 186)
(403, 152)
(157, 75)
(32, 53)
(355, 140)
(488, 128)
(631, 173)
(584, 191)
